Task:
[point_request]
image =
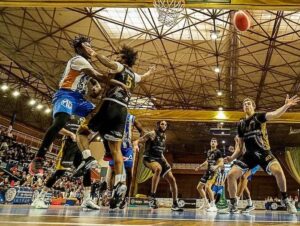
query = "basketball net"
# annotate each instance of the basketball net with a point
(168, 11)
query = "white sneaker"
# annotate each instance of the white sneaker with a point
(205, 205)
(88, 203)
(39, 204)
(290, 207)
(212, 209)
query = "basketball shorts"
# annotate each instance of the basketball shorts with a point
(128, 158)
(209, 177)
(109, 121)
(72, 103)
(165, 166)
(261, 157)
(69, 155)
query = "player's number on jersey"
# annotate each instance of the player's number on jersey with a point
(129, 81)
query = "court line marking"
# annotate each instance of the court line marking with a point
(67, 223)
(158, 218)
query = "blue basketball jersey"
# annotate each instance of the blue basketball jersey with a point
(127, 143)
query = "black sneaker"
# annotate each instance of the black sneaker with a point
(248, 209)
(123, 203)
(232, 208)
(36, 166)
(103, 187)
(85, 165)
(118, 194)
(175, 207)
(153, 203)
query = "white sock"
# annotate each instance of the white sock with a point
(86, 193)
(43, 193)
(250, 203)
(124, 174)
(212, 203)
(118, 178)
(206, 202)
(86, 153)
(237, 200)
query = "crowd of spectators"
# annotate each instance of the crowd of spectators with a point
(14, 160)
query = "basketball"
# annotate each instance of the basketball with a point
(241, 20)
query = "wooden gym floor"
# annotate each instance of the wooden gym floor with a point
(21, 215)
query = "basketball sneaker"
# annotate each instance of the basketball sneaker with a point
(153, 203)
(232, 208)
(212, 209)
(248, 209)
(118, 194)
(39, 203)
(89, 204)
(289, 206)
(123, 203)
(85, 165)
(175, 207)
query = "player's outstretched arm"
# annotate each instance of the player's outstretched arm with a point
(289, 102)
(148, 73)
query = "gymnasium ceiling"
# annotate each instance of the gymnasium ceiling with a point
(262, 63)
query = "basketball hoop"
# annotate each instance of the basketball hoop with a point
(168, 11)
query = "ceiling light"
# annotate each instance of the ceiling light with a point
(219, 93)
(4, 87)
(16, 93)
(153, 98)
(221, 115)
(221, 123)
(220, 108)
(39, 106)
(223, 142)
(217, 70)
(222, 133)
(214, 36)
(48, 110)
(32, 102)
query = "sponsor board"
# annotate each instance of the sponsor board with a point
(23, 195)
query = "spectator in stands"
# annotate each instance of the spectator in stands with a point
(8, 132)
(16, 157)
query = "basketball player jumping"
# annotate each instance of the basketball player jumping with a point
(110, 119)
(69, 99)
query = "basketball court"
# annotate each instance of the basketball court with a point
(24, 215)
(209, 56)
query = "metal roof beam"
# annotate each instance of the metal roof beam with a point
(266, 67)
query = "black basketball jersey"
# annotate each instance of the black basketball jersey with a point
(212, 157)
(155, 148)
(117, 93)
(253, 130)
